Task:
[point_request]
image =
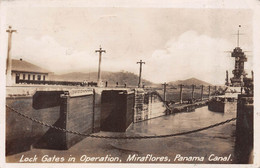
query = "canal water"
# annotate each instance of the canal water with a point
(218, 141)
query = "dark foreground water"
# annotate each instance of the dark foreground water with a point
(202, 147)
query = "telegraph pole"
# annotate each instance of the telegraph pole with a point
(100, 51)
(181, 93)
(192, 92)
(201, 96)
(140, 73)
(164, 91)
(209, 92)
(9, 59)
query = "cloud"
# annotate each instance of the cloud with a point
(188, 55)
(191, 55)
(47, 53)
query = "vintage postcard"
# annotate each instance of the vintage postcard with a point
(129, 83)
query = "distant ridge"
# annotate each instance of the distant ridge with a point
(129, 78)
(190, 81)
(123, 77)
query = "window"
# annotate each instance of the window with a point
(23, 76)
(29, 77)
(38, 77)
(17, 78)
(33, 77)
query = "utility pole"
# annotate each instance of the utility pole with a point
(209, 92)
(192, 92)
(100, 51)
(201, 96)
(9, 58)
(140, 73)
(181, 85)
(164, 91)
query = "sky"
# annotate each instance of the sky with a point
(175, 43)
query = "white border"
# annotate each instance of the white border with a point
(225, 4)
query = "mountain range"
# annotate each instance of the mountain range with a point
(122, 77)
(188, 82)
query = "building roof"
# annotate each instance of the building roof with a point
(24, 66)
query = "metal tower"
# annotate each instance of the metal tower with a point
(240, 59)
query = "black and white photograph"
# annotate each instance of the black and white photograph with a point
(140, 83)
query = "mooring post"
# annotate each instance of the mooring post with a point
(181, 93)
(209, 92)
(164, 91)
(201, 96)
(192, 92)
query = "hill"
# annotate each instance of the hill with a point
(188, 82)
(129, 78)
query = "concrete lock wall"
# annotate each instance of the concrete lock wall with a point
(46, 107)
(97, 109)
(18, 129)
(49, 108)
(140, 110)
(75, 114)
(80, 117)
(73, 111)
(116, 110)
(22, 133)
(147, 105)
(244, 129)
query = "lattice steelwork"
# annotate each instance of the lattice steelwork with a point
(240, 59)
